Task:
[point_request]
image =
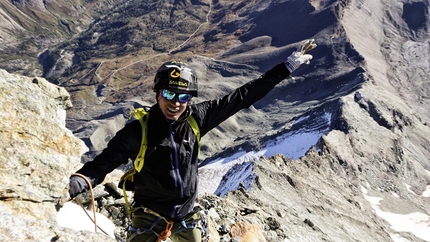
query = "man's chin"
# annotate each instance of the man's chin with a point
(172, 117)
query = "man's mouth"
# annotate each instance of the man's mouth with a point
(173, 110)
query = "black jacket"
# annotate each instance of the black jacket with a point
(168, 181)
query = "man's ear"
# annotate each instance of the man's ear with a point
(157, 96)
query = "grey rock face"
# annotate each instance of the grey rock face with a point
(38, 154)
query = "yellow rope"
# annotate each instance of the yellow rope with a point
(129, 175)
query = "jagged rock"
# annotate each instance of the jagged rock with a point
(38, 156)
(244, 231)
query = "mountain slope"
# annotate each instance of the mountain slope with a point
(367, 82)
(27, 28)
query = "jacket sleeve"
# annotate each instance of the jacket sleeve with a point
(212, 113)
(123, 146)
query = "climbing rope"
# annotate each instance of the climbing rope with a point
(166, 232)
(92, 201)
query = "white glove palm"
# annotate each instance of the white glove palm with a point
(300, 57)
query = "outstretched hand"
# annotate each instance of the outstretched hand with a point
(299, 56)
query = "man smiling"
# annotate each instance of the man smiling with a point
(173, 104)
(175, 84)
(165, 188)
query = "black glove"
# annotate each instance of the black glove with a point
(77, 185)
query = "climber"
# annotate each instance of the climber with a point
(165, 188)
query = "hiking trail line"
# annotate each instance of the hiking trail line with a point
(157, 55)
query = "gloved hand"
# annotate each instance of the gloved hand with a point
(77, 185)
(300, 57)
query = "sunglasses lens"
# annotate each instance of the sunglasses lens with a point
(184, 97)
(167, 94)
(170, 95)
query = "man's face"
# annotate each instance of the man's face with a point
(173, 108)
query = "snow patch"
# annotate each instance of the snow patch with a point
(73, 216)
(416, 223)
(293, 145)
(408, 187)
(426, 193)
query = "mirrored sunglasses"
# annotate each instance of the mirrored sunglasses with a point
(170, 95)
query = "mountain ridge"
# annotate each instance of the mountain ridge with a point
(368, 76)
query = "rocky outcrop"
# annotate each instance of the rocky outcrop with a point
(38, 154)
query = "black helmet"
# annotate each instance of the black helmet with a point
(176, 75)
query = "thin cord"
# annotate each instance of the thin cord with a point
(93, 203)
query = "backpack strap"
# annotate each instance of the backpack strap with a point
(138, 163)
(142, 116)
(195, 127)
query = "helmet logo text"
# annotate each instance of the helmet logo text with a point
(178, 83)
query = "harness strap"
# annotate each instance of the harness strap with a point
(165, 234)
(185, 226)
(168, 230)
(138, 231)
(149, 211)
